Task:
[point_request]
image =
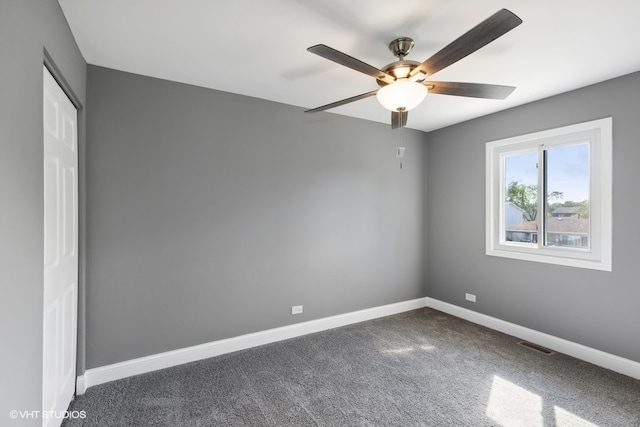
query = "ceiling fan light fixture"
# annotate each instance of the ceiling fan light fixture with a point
(402, 95)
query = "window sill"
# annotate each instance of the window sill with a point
(551, 257)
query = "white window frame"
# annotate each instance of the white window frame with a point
(599, 134)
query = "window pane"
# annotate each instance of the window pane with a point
(567, 221)
(521, 197)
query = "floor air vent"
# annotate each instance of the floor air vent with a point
(536, 347)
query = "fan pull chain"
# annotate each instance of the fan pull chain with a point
(400, 147)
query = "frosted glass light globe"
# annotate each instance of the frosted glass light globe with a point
(401, 95)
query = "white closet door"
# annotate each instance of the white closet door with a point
(60, 251)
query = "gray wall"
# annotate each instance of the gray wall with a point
(593, 308)
(210, 214)
(26, 29)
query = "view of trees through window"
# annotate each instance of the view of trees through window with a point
(564, 174)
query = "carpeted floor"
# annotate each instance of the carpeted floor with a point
(420, 368)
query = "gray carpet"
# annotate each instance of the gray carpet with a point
(420, 368)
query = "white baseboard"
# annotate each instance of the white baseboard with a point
(579, 351)
(154, 362)
(81, 385)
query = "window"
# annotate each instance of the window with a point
(549, 196)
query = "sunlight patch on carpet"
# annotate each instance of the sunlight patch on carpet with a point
(513, 406)
(401, 350)
(565, 418)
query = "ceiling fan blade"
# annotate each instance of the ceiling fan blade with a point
(399, 119)
(482, 34)
(351, 62)
(472, 90)
(344, 101)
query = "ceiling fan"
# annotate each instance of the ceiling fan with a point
(403, 84)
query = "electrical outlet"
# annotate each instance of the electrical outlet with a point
(296, 309)
(470, 297)
(400, 152)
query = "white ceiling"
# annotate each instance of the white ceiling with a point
(258, 47)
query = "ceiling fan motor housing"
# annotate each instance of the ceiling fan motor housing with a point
(398, 69)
